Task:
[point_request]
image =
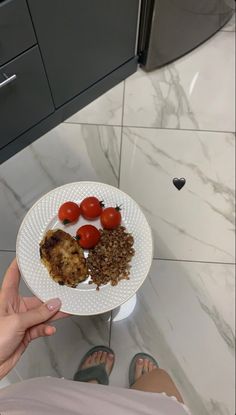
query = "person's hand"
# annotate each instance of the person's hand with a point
(22, 319)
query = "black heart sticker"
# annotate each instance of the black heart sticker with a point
(179, 183)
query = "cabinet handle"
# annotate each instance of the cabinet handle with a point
(7, 80)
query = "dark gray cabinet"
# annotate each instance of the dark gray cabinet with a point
(16, 29)
(25, 97)
(56, 56)
(83, 41)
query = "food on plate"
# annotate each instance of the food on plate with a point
(110, 260)
(110, 249)
(111, 217)
(91, 208)
(69, 212)
(64, 258)
(88, 236)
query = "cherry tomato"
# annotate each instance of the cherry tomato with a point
(88, 236)
(69, 212)
(91, 208)
(111, 218)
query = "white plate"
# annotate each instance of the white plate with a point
(85, 299)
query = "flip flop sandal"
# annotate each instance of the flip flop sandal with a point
(133, 365)
(97, 372)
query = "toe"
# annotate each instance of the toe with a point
(109, 362)
(85, 364)
(103, 357)
(145, 365)
(93, 359)
(88, 361)
(150, 366)
(138, 368)
(98, 358)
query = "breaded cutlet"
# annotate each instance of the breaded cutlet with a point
(63, 258)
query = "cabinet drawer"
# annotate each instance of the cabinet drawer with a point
(25, 97)
(16, 29)
(82, 41)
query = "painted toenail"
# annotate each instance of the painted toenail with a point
(140, 361)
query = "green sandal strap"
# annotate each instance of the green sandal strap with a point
(97, 373)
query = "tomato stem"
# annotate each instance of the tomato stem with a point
(66, 221)
(118, 208)
(102, 204)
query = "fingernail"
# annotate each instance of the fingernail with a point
(140, 360)
(53, 304)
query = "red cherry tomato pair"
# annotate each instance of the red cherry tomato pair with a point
(90, 208)
(89, 236)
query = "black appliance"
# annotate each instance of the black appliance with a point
(171, 28)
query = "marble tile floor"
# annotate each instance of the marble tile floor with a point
(183, 315)
(189, 93)
(89, 152)
(198, 222)
(174, 122)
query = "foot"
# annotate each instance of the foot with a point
(98, 358)
(142, 367)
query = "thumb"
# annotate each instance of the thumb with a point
(40, 314)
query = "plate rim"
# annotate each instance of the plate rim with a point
(85, 182)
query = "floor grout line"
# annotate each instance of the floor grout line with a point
(194, 261)
(152, 128)
(121, 136)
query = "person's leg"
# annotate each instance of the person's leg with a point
(154, 379)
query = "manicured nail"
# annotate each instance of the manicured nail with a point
(140, 361)
(53, 304)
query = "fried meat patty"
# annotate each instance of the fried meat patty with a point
(64, 258)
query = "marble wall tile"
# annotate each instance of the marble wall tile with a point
(67, 153)
(195, 92)
(196, 223)
(60, 354)
(184, 316)
(107, 109)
